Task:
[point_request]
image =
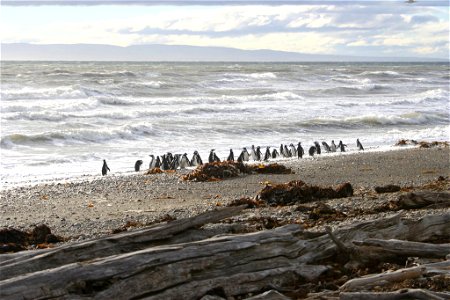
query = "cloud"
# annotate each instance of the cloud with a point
(321, 29)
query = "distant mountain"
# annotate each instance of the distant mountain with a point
(92, 52)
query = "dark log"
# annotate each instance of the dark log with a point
(422, 199)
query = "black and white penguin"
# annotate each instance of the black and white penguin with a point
(287, 153)
(342, 146)
(184, 161)
(213, 157)
(293, 150)
(164, 163)
(318, 151)
(282, 150)
(312, 151)
(137, 165)
(300, 150)
(152, 163)
(158, 162)
(105, 168)
(245, 154)
(258, 153)
(175, 162)
(275, 153)
(333, 146)
(196, 159)
(326, 147)
(359, 145)
(267, 155)
(231, 156)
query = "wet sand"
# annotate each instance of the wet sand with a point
(79, 210)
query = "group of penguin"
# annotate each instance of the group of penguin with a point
(171, 161)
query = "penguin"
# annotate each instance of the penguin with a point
(169, 158)
(342, 146)
(267, 155)
(300, 150)
(282, 150)
(326, 147)
(158, 162)
(152, 163)
(258, 153)
(241, 157)
(184, 161)
(196, 159)
(317, 147)
(245, 154)
(211, 156)
(175, 163)
(137, 165)
(359, 145)
(164, 163)
(105, 168)
(312, 150)
(231, 156)
(275, 153)
(333, 146)
(253, 153)
(287, 153)
(216, 158)
(293, 150)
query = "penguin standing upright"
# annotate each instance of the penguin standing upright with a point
(342, 146)
(105, 168)
(258, 153)
(312, 151)
(333, 146)
(184, 161)
(267, 155)
(231, 156)
(293, 150)
(137, 165)
(359, 145)
(275, 153)
(152, 163)
(317, 147)
(300, 150)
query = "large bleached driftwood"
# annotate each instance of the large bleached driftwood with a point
(222, 265)
(32, 261)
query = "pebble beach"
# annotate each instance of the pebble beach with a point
(96, 206)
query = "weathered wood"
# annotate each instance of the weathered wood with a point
(235, 264)
(377, 249)
(370, 281)
(404, 294)
(269, 295)
(416, 200)
(184, 271)
(32, 261)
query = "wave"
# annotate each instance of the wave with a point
(127, 132)
(61, 92)
(380, 73)
(108, 74)
(374, 120)
(343, 90)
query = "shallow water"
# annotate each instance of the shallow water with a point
(60, 119)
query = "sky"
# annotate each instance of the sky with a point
(364, 28)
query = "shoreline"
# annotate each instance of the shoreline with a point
(89, 177)
(91, 208)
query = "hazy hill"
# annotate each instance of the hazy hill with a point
(91, 52)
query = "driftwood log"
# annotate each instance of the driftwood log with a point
(139, 264)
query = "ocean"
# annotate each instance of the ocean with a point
(59, 120)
